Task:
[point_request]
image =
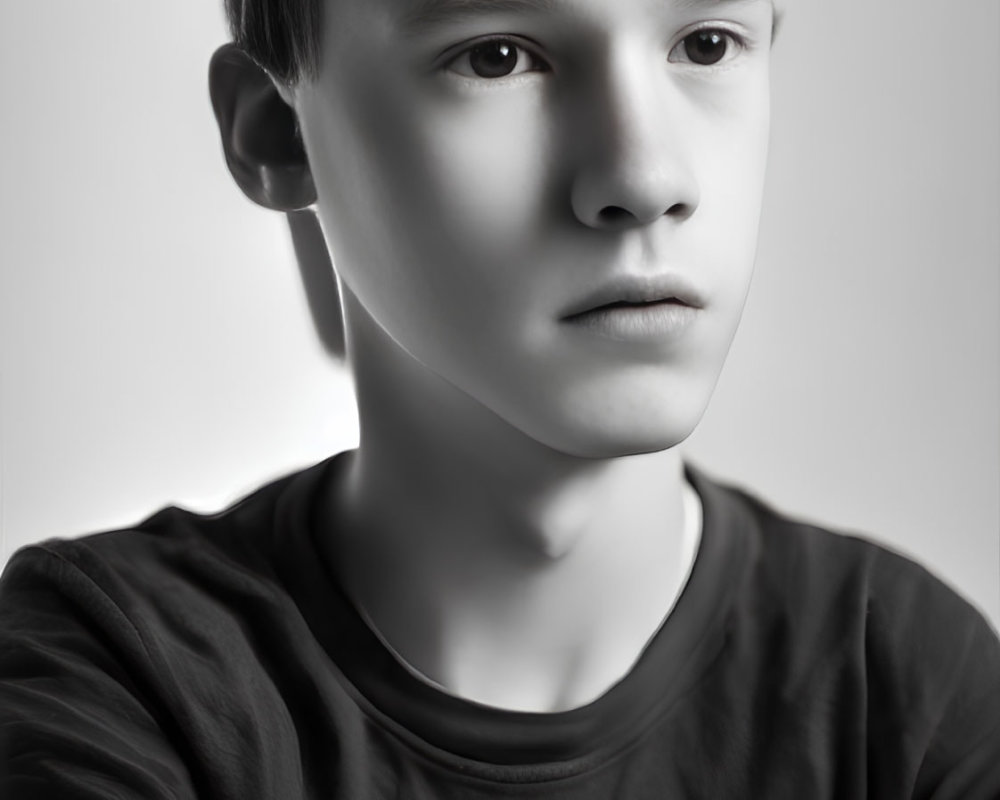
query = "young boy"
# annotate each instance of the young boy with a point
(543, 215)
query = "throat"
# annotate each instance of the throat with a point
(543, 606)
(550, 530)
(564, 640)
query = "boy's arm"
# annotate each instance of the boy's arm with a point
(75, 720)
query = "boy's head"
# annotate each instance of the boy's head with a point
(551, 205)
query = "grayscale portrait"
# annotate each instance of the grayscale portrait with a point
(471, 399)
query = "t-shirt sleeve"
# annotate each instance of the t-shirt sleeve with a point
(76, 720)
(963, 757)
(935, 665)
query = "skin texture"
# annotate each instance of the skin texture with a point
(514, 522)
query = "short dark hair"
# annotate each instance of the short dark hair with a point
(282, 36)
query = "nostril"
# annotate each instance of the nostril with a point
(615, 215)
(619, 217)
(680, 210)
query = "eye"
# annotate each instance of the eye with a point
(500, 57)
(706, 47)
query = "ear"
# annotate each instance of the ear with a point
(260, 133)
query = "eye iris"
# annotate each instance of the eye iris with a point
(493, 59)
(705, 47)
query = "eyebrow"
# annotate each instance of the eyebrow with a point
(428, 13)
(424, 14)
(689, 4)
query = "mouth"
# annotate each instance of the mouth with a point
(637, 293)
(665, 320)
(628, 306)
(657, 308)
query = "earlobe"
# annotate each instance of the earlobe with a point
(259, 130)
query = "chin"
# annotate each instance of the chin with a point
(618, 435)
(609, 419)
(617, 444)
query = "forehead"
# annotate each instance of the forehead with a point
(430, 12)
(357, 24)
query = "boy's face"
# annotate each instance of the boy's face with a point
(487, 170)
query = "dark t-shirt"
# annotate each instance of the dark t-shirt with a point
(216, 657)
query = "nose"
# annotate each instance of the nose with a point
(631, 166)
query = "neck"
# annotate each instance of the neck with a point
(505, 571)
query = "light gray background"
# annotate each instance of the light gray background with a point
(156, 345)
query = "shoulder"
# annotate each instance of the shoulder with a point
(176, 569)
(121, 651)
(805, 563)
(174, 540)
(922, 663)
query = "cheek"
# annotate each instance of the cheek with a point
(452, 178)
(732, 162)
(434, 211)
(487, 170)
(378, 199)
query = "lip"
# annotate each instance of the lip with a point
(639, 308)
(638, 291)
